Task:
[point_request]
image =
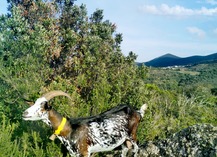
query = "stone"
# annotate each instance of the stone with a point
(194, 141)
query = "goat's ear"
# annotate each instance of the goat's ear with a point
(47, 107)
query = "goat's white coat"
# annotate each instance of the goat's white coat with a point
(106, 132)
(142, 109)
(66, 142)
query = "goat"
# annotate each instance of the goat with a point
(83, 136)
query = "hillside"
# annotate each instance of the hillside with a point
(172, 60)
(185, 79)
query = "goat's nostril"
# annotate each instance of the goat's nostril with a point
(25, 114)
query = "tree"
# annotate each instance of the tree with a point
(68, 47)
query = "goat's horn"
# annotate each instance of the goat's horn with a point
(55, 93)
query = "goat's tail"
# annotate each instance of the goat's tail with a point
(142, 110)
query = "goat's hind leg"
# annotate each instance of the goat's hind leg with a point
(135, 149)
(132, 145)
(124, 151)
(126, 147)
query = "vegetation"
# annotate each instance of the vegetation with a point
(49, 45)
(190, 80)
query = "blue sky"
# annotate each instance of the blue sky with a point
(152, 28)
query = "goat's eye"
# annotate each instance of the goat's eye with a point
(47, 107)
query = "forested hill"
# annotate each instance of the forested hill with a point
(190, 80)
(172, 60)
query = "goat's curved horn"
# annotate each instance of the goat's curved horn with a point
(55, 93)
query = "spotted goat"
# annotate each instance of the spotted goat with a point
(83, 136)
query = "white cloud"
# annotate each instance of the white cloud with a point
(197, 31)
(177, 10)
(150, 9)
(212, 2)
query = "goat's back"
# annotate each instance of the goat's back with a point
(117, 110)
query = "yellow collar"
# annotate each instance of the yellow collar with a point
(59, 129)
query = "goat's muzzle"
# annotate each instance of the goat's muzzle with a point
(25, 115)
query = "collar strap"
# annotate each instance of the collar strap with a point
(59, 129)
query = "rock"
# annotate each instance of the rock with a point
(194, 141)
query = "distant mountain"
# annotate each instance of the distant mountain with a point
(172, 60)
(163, 61)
